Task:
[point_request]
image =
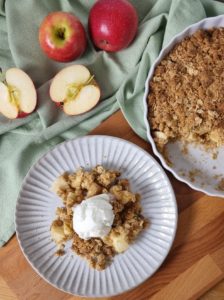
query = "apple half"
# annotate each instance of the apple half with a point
(18, 97)
(75, 90)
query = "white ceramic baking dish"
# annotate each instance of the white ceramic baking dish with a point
(196, 167)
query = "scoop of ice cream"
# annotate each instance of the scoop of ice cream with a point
(93, 217)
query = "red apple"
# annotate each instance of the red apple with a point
(112, 24)
(62, 36)
(22, 115)
(74, 90)
(18, 97)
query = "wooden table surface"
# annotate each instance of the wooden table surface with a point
(194, 268)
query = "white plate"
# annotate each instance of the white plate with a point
(36, 209)
(197, 168)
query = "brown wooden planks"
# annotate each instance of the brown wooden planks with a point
(194, 265)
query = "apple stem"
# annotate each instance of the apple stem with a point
(89, 80)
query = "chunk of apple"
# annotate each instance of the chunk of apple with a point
(75, 90)
(18, 97)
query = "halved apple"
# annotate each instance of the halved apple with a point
(18, 96)
(75, 90)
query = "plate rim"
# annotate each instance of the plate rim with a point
(162, 52)
(173, 197)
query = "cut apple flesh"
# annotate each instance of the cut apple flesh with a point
(75, 89)
(24, 88)
(18, 95)
(85, 100)
(8, 109)
(77, 74)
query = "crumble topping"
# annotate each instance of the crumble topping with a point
(128, 221)
(186, 99)
(220, 186)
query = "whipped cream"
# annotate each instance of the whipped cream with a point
(93, 217)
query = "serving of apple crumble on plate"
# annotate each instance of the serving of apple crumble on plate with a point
(91, 241)
(95, 215)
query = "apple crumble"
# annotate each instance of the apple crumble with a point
(128, 222)
(186, 99)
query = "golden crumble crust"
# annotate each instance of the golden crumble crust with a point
(128, 221)
(186, 99)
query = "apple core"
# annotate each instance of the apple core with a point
(14, 95)
(73, 89)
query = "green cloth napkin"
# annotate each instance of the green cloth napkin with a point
(121, 77)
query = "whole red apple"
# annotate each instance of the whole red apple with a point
(62, 36)
(112, 24)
